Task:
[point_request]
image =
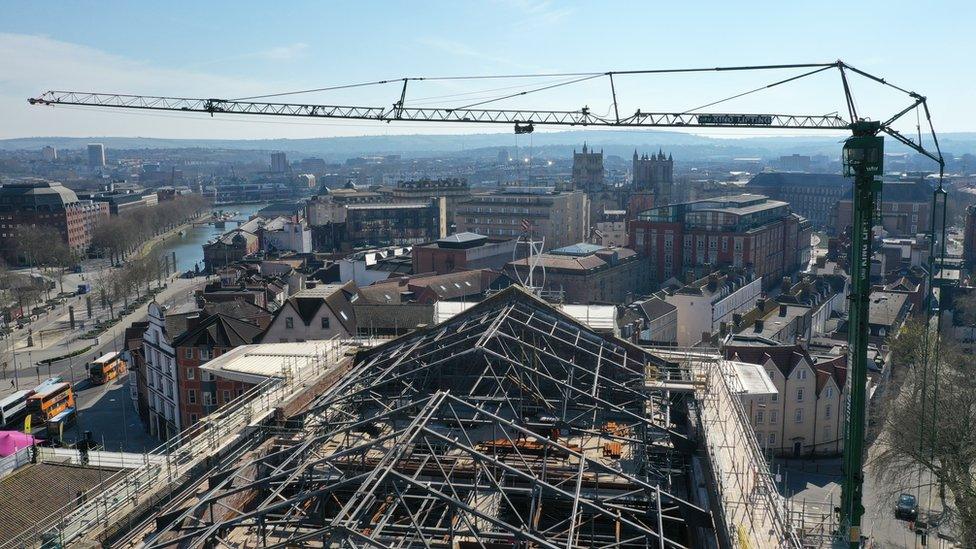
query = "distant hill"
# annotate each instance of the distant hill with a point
(683, 145)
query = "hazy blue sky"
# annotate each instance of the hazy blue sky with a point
(235, 49)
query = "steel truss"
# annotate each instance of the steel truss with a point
(488, 430)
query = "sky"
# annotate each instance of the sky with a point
(239, 49)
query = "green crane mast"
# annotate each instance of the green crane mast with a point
(863, 154)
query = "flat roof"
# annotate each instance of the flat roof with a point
(753, 379)
(258, 362)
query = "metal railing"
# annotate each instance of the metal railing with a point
(120, 493)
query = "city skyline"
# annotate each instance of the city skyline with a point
(231, 53)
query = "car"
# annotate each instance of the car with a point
(906, 508)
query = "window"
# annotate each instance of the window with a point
(325, 323)
(188, 352)
(207, 398)
(829, 393)
(191, 373)
(226, 396)
(204, 354)
(798, 415)
(773, 416)
(289, 322)
(772, 439)
(191, 396)
(760, 417)
(774, 397)
(801, 374)
(827, 411)
(799, 395)
(207, 376)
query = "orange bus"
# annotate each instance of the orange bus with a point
(50, 401)
(106, 368)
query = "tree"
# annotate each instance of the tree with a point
(930, 428)
(32, 242)
(58, 259)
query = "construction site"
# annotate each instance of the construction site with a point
(509, 425)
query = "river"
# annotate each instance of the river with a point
(189, 247)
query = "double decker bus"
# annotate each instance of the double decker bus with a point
(50, 400)
(106, 368)
(13, 408)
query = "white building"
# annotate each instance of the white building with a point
(805, 416)
(708, 302)
(282, 234)
(161, 380)
(323, 312)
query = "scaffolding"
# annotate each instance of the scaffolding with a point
(510, 425)
(111, 503)
(750, 506)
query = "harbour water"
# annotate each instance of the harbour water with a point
(189, 247)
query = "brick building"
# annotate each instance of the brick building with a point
(199, 391)
(38, 203)
(561, 217)
(747, 230)
(462, 251)
(588, 273)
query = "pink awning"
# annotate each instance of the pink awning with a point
(11, 441)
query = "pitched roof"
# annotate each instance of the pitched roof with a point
(655, 307)
(337, 297)
(785, 357)
(833, 368)
(219, 330)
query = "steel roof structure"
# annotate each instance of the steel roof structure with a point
(510, 425)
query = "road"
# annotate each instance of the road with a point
(28, 372)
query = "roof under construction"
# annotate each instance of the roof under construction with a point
(510, 424)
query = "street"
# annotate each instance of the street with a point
(29, 373)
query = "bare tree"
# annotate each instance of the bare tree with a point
(930, 428)
(33, 242)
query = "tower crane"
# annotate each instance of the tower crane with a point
(862, 159)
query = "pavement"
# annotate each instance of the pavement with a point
(28, 371)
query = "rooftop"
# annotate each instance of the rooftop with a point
(258, 362)
(462, 240)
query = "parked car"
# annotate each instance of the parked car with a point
(906, 508)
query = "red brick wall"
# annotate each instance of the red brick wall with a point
(218, 386)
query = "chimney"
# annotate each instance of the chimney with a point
(723, 329)
(759, 324)
(761, 304)
(736, 319)
(782, 310)
(787, 282)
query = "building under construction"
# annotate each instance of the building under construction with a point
(509, 425)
